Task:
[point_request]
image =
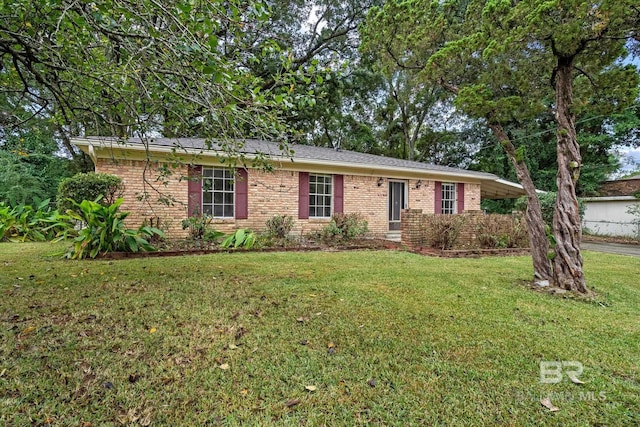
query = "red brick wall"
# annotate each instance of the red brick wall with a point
(269, 193)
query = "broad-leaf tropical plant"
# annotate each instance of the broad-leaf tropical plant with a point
(105, 231)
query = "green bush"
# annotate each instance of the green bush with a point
(443, 231)
(502, 231)
(345, 227)
(105, 231)
(25, 223)
(547, 205)
(242, 238)
(280, 226)
(199, 227)
(88, 186)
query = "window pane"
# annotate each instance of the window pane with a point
(228, 198)
(218, 211)
(206, 210)
(228, 185)
(218, 173)
(207, 198)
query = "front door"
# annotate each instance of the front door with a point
(397, 202)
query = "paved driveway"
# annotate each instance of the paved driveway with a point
(612, 248)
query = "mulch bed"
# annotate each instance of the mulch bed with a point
(185, 247)
(471, 253)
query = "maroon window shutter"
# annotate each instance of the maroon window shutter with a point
(438, 197)
(242, 194)
(460, 197)
(338, 194)
(303, 195)
(194, 198)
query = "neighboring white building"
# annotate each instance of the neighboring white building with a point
(607, 213)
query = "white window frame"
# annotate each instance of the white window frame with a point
(448, 203)
(219, 183)
(326, 182)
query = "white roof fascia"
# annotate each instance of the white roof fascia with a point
(191, 151)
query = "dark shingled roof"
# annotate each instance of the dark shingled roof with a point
(301, 152)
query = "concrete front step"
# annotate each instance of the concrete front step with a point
(394, 236)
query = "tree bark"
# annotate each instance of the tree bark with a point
(538, 240)
(567, 227)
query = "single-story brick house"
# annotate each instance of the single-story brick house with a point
(310, 185)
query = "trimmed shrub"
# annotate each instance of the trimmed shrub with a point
(88, 186)
(199, 227)
(280, 226)
(443, 230)
(344, 227)
(501, 231)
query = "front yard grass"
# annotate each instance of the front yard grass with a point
(385, 338)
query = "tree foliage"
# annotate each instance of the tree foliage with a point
(507, 63)
(136, 68)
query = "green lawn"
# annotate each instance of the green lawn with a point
(387, 338)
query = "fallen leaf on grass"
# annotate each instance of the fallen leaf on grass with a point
(232, 346)
(310, 388)
(292, 402)
(244, 392)
(302, 319)
(224, 366)
(28, 330)
(304, 342)
(546, 402)
(153, 330)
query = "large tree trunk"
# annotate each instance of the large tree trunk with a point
(567, 227)
(538, 240)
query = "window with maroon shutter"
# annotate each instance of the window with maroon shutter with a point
(218, 192)
(303, 195)
(338, 193)
(460, 197)
(242, 194)
(194, 189)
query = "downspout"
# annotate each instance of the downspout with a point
(94, 158)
